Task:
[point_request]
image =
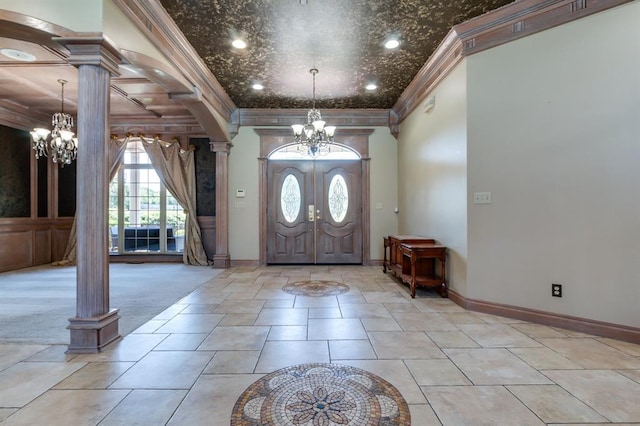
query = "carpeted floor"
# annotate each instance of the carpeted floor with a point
(36, 303)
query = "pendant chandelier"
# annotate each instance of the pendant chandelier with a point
(313, 136)
(62, 147)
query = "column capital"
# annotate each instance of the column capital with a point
(222, 146)
(92, 49)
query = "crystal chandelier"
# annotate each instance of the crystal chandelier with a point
(63, 146)
(314, 135)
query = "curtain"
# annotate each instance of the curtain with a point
(176, 169)
(115, 156)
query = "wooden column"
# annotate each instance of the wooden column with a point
(95, 324)
(222, 149)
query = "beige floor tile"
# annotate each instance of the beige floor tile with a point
(632, 374)
(274, 294)
(6, 412)
(240, 307)
(145, 407)
(494, 367)
(462, 318)
(150, 327)
(23, 382)
(497, 336)
(68, 407)
(350, 349)
(451, 339)
(243, 295)
(537, 331)
(351, 298)
(241, 287)
(336, 329)
(436, 304)
(55, 353)
(592, 354)
(179, 370)
(400, 307)
(357, 310)
(608, 392)
(235, 338)
(436, 372)
(211, 400)
(626, 347)
(282, 316)
(204, 295)
(384, 297)
(95, 375)
(380, 324)
(200, 308)
(131, 348)
(421, 321)
(181, 342)
(11, 354)
(233, 362)
(238, 319)
(191, 323)
(288, 332)
(394, 372)
(555, 405)
(172, 310)
(478, 405)
(278, 354)
(325, 313)
(423, 415)
(404, 345)
(279, 303)
(544, 359)
(316, 302)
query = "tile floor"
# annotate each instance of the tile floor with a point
(189, 364)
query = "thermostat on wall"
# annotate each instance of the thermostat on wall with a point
(239, 193)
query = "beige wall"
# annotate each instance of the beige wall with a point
(243, 174)
(432, 176)
(76, 15)
(553, 135)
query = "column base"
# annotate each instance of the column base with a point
(221, 261)
(91, 335)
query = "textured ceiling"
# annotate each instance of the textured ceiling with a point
(342, 38)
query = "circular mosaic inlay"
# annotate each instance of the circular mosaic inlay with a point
(321, 395)
(316, 288)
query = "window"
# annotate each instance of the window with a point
(143, 216)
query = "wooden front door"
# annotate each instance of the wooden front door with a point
(314, 212)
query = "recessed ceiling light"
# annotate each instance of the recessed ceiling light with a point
(371, 86)
(392, 43)
(18, 55)
(257, 86)
(239, 44)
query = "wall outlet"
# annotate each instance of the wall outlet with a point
(481, 198)
(556, 290)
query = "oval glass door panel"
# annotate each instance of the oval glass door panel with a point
(290, 198)
(338, 198)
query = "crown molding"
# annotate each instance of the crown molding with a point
(516, 20)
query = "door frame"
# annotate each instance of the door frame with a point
(355, 139)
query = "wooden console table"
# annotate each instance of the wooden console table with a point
(413, 260)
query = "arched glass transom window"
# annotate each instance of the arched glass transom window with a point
(331, 152)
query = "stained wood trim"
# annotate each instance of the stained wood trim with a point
(583, 325)
(337, 117)
(516, 20)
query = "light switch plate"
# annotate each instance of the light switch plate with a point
(481, 198)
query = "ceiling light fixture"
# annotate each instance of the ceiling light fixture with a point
(18, 55)
(63, 146)
(313, 135)
(257, 86)
(392, 43)
(371, 86)
(239, 44)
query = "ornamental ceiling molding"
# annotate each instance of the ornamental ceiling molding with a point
(509, 23)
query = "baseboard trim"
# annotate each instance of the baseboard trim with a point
(247, 263)
(583, 325)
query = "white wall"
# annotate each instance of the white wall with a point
(432, 178)
(76, 15)
(243, 174)
(554, 136)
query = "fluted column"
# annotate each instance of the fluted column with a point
(222, 259)
(96, 323)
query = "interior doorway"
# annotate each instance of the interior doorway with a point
(314, 212)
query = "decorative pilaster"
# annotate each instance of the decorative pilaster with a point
(222, 149)
(95, 324)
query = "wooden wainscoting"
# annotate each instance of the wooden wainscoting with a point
(30, 242)
(208, 231)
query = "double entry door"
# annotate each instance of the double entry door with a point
(314, 212)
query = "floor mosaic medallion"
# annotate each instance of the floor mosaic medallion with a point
(321, 395)
(316, 288)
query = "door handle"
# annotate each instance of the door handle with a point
(318, 214)
(311, 216)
